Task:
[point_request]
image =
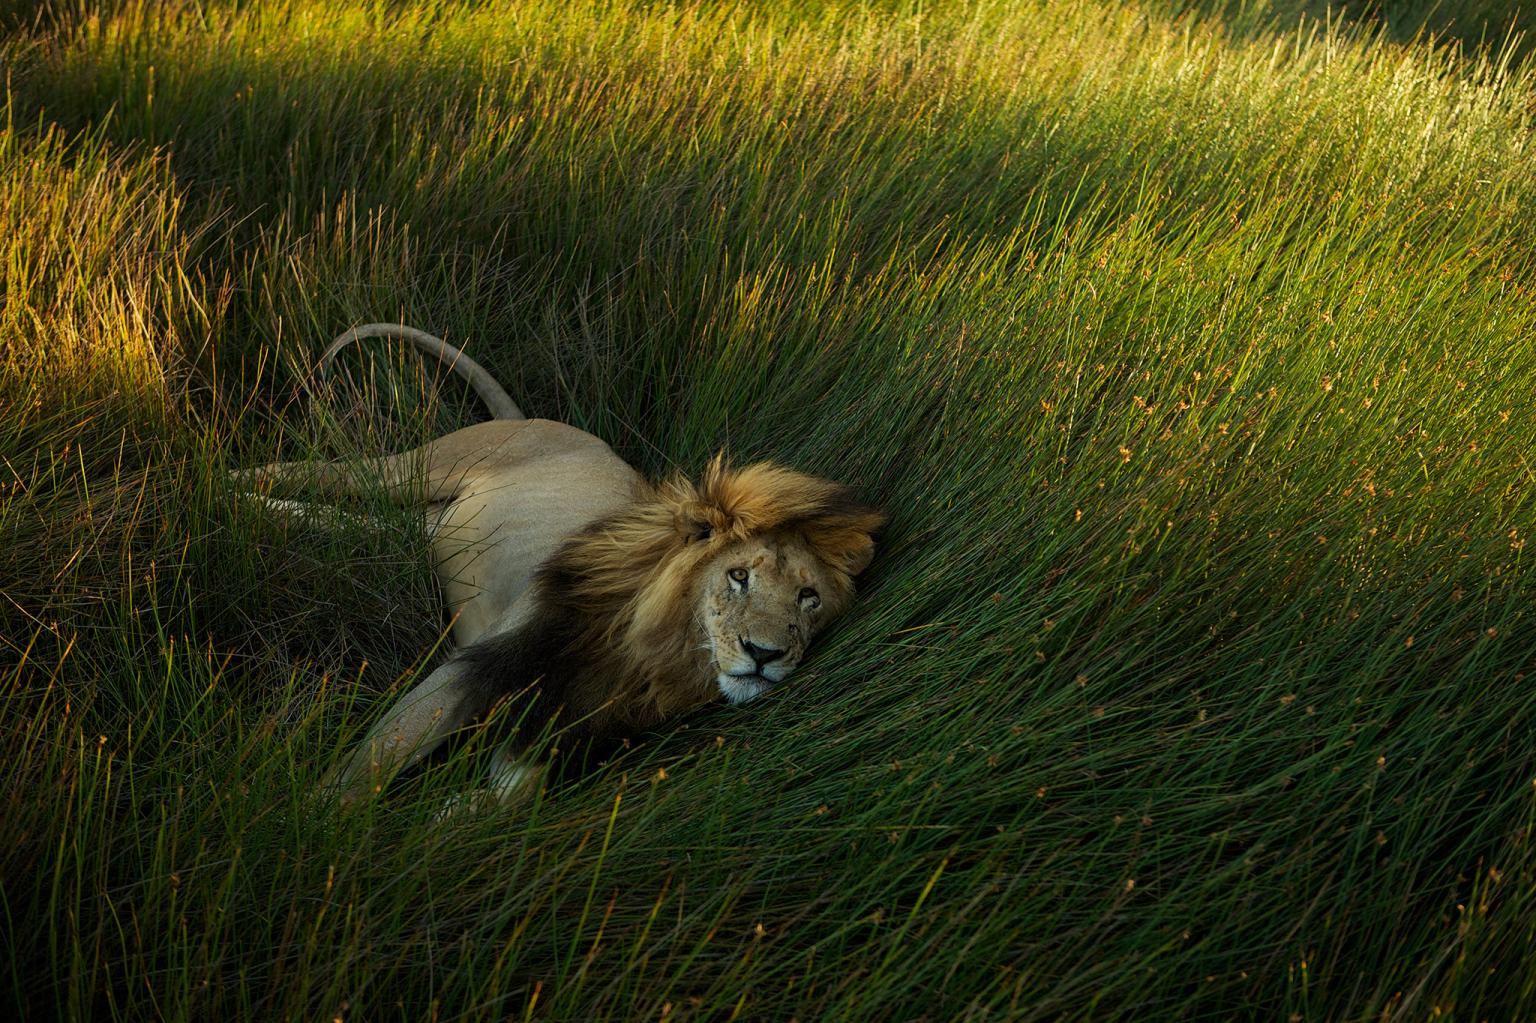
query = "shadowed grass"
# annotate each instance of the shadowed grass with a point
(1486, 28)
(1192, 679)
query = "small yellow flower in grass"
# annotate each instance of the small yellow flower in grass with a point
(1125, 453)
(1408, 642)
(661, 774)
(1492, 633)
(1130, 884)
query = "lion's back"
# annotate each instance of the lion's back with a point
(526, 485)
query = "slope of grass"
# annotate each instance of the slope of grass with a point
(1193, 678)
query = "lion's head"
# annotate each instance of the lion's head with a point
(759, 602)
(715, 587)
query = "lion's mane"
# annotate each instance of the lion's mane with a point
(611, 648)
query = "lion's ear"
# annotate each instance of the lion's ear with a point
(845, 540)
(858, 555)
(693, 524)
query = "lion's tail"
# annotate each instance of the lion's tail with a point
(493, 394)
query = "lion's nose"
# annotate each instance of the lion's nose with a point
(761, 655)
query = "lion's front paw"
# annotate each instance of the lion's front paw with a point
(480, 801)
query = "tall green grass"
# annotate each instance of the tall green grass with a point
(1193, 679)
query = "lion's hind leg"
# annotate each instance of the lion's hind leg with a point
(408, 476)
(392, 476)
(314, 516)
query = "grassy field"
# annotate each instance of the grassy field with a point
(1191, 350)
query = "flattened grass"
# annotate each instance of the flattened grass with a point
(1192, 679)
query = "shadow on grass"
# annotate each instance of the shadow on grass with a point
(1495, 29)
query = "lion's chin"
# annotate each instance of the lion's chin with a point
(741, 688)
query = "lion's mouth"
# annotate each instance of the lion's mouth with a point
(739, 688)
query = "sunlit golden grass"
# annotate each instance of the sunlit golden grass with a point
(1191, 356)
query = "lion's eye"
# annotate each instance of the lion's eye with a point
(704, 533)
(808, 594)
(738, 575)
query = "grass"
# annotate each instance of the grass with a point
(1191, 355)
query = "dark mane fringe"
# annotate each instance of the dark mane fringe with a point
(612, 647)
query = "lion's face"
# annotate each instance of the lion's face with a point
(761, 601)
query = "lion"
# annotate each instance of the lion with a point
(603, 603)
